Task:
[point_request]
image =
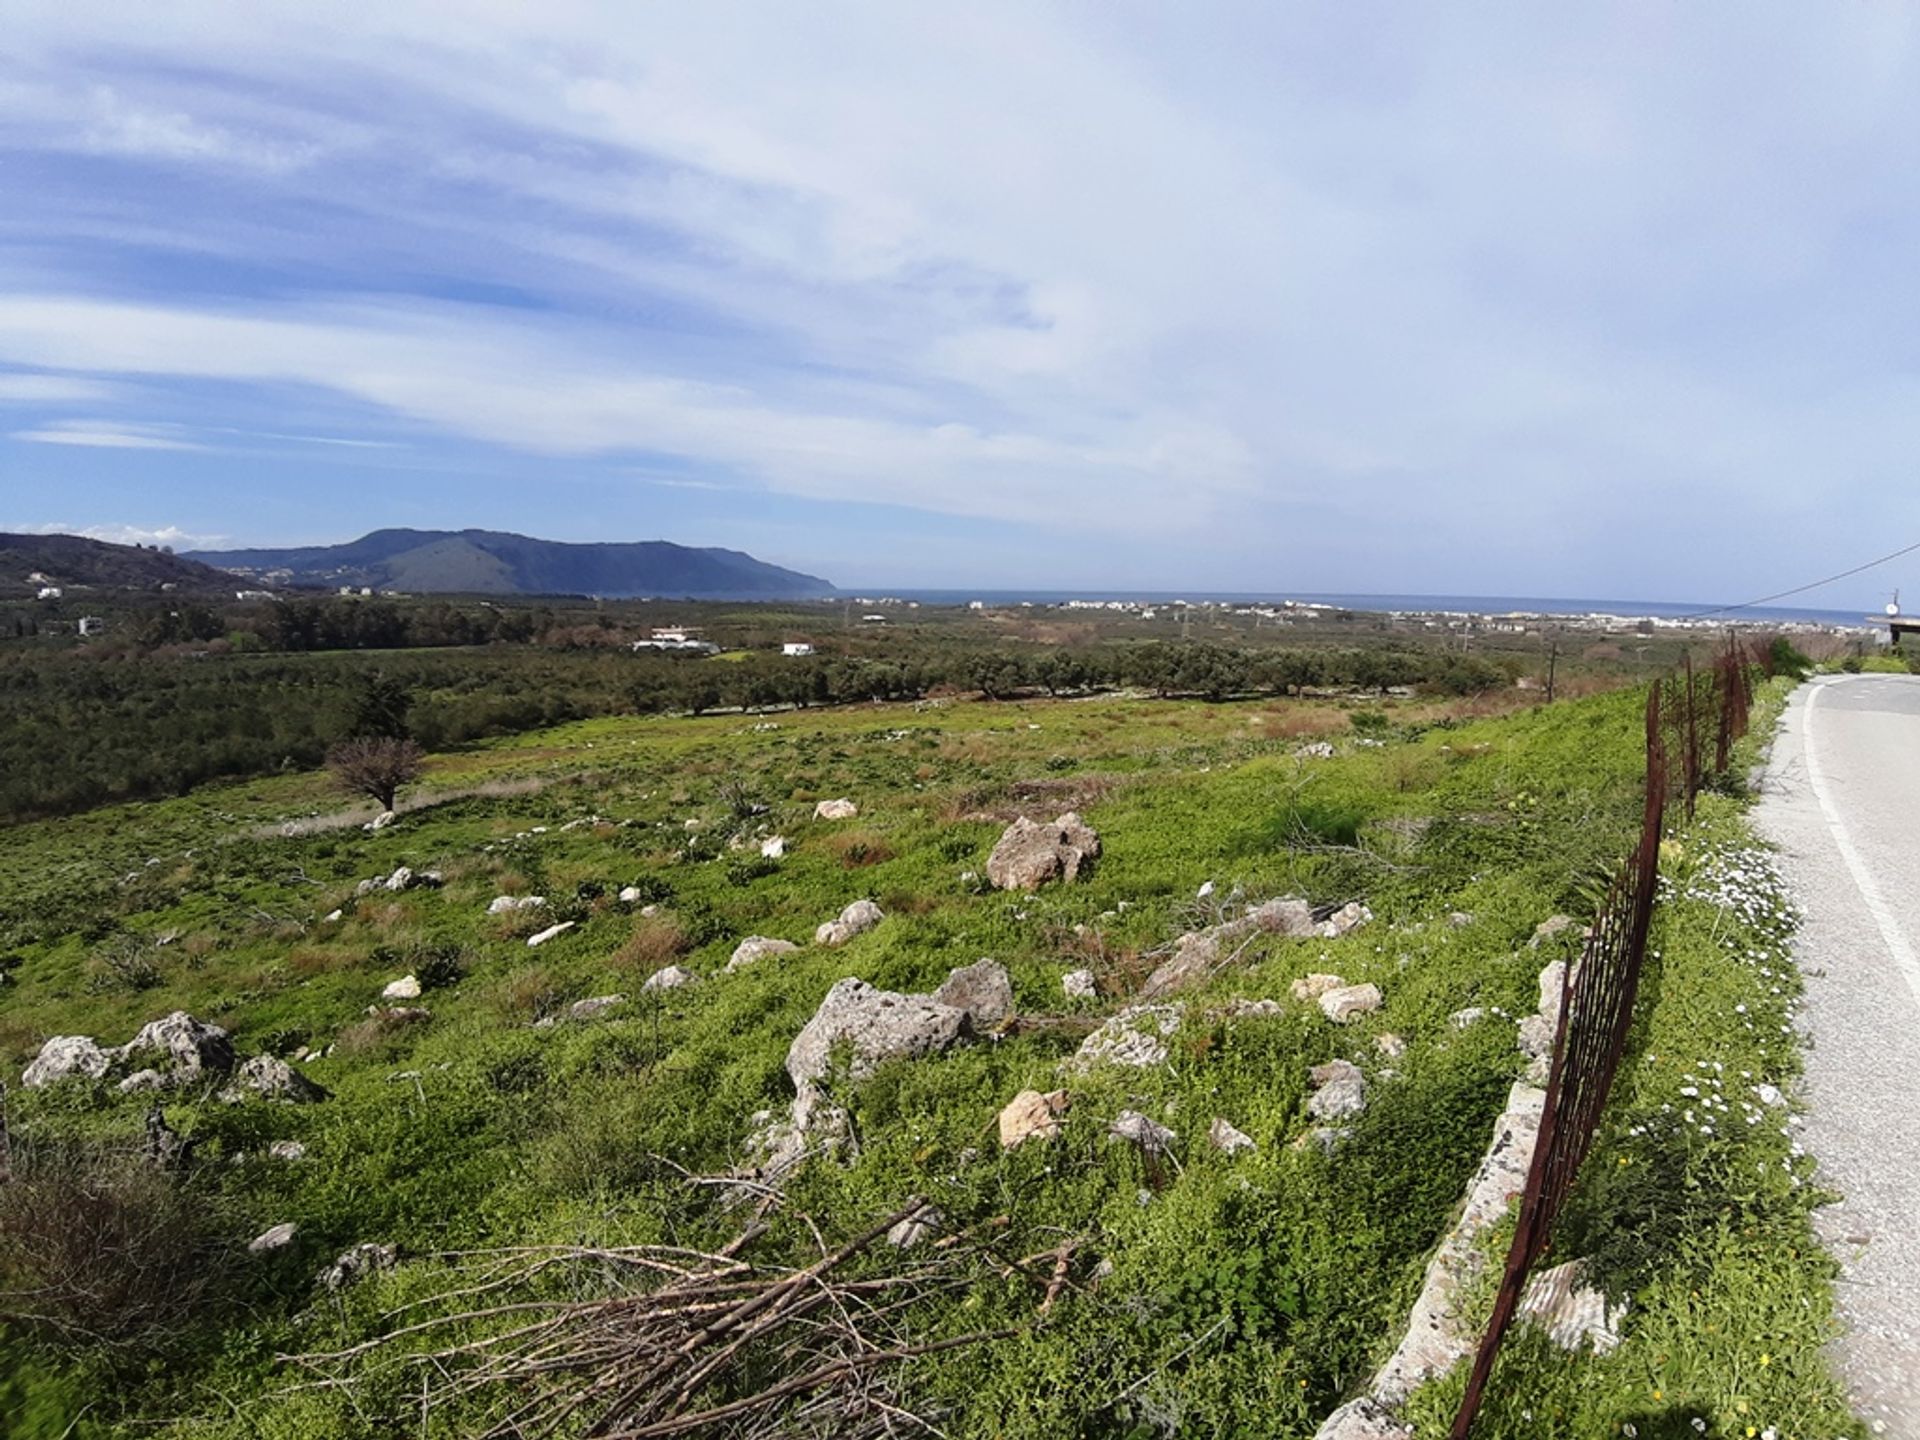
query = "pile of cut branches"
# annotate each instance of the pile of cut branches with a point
(630, 1342)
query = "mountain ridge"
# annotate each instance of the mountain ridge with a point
(80, 561)
(498, 562)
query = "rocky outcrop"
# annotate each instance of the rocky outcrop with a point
(64, 1057)
(271, 1078)
(174, 1050)
(758, 947)
(187, 1048)
(1029, 855)
(858, 918)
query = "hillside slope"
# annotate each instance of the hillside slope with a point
(76, 560)
(494, 562)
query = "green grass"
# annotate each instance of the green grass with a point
(1245, 1296)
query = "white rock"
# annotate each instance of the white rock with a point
(333, 916)
(1348, 917)
(507, 904)
(595, 1007)
(400, 879)
(858, 918)
(1340, 1091)
(1136, 1038)
(1079, 985)
(629, 894)
(835, 810)
(1472, 1015)
(1223, 1135)
(287, 1150)
(1770, 1095)
(1204, 891)
(1575, 1315)
(774, 848)
(382, 820)
(671, 978)
(1350, 1001)
(915, 1229)
(278, 1238)
(64, 1056)
(550, 932)
(1312, 987)
(1390, 1045)
(756, 948)
(407, 987)
(982, 989)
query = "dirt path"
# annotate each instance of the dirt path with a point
(1842, 802)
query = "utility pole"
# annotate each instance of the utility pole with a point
(1553, 654)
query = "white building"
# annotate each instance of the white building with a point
(49, 592)
(796, 647)
(92, 625)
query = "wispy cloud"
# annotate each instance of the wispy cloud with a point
(21, 389)
(102, 435)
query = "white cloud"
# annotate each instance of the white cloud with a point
(19, 389)
(102, 435)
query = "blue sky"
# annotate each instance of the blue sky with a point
(1482, 299)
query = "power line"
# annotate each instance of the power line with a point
(1801, 589)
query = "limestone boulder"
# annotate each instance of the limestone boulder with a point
(835, 810)
(673, 977)
(66, 1057)
(1029, 854)
(185, 1047)
(1135, 1038)
(1224, 1136)
(876, 1026)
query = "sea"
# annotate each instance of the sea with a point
(1429, 604)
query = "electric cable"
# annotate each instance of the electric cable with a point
(1801, 589)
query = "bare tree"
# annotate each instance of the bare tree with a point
(376, 765)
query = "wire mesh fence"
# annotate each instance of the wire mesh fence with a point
(1597, 993)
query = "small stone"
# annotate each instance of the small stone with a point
(1136, 1038)
(1390, 1045)
(1031, 1115)
(774, 848)
(1312, 987)
(1547, 929)
(629, 894)
(594, 1008)
(400, 879)
(272, 1079)
(549, 933)
(142, 1080)
(288, 1150)
(1079, 985)
(858, 918)
(507, 904)
(333, 917)
(758, 947)
(1153, 1139)
(407, 987)
(1349, 1002)
(1769, 1095)
(1222, 1135)
(1459, 919)
(356, 1263)
(1340, 1090)
(277, 1238)
(835, 810)
(1348, 917)
(915, 1229)
(672, 978)
(1472, 1015)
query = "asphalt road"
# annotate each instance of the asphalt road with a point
(1842, 801)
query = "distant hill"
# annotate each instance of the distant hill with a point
(495, 563)
(77, 561)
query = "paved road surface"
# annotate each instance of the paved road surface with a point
(1843, 802)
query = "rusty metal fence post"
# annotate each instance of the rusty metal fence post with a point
(1597, 994)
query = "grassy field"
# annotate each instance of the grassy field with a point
(1207, 1295)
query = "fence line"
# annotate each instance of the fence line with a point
(1597, 994)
